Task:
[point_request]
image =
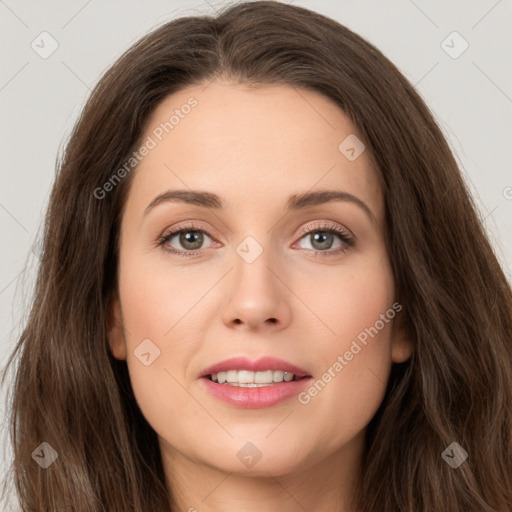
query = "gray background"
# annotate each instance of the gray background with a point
(40, 99)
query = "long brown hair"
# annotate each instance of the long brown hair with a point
(457, 387)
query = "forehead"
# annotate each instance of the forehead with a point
(251, 145)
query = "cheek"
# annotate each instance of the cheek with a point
(166, 403)
(157, 314)
(155, 299)
(354, 360)
(350, 299)
(345, 394)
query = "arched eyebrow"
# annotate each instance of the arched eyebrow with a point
(295, 202)
(310, 199)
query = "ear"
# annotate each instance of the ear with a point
(116, 339)
(401, 343)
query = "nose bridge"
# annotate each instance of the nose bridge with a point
(256, 294)
(253, 261)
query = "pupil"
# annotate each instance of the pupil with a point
(321, 237)
(188, 238)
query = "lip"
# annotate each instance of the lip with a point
(260, 397)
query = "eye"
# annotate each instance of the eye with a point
(190, 238)
(322, 239)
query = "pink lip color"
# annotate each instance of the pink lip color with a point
(255, 398)
(260, 397)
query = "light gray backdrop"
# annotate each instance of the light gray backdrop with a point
(457, 53)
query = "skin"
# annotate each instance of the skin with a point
(255, 147)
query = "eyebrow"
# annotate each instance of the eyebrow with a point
(295, 202)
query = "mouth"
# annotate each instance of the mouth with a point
(248, 384)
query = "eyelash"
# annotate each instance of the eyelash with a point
(347, 239)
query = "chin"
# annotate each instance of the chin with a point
(254, 459)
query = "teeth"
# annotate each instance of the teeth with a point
(246, 378)
(278, 376)
(232, 376)
(263, 377)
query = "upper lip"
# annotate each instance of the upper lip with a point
(259, 365)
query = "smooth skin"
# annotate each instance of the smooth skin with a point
(254, 147)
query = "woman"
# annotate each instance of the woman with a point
(264, 286)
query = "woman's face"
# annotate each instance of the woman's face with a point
(302, 281)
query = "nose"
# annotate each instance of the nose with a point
(258, 299)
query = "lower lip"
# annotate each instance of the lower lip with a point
(255, 398)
